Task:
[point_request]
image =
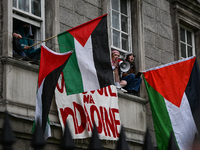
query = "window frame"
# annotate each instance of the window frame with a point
(32, 19)
(186, 13)
(120, 30)
(30, 10)
(193, 40)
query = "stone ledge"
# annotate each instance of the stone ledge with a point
(20, 110)
(3, 102)
(19, 63)
(130, 133)
(132, 97)
(28, 118)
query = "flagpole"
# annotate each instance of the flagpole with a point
(44, 41)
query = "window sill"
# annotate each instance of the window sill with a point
(19, 63)
(132, 97)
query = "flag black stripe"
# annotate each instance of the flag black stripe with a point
(101, 54)
(49, 86)
(193, 94)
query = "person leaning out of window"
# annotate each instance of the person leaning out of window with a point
(22, 42)
(131, 77)
(116, 69)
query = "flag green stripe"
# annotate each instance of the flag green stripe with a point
(72, 74)
(162, 123)
(34, 125)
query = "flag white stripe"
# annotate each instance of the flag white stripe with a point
(38, 108)
(38, 111)
(86, 65)
(182, 123)
(55, 53)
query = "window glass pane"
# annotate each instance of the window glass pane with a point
(24, 5)
(183, 50)
(124, 24)
(116, 38)
(123, 4)
(182, 34)
(15, 3)
(115, 5)
(125, 42)
(190, 51)
(115, 20)
(189, 37)
(36, 7)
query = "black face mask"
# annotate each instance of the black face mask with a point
(26, 29)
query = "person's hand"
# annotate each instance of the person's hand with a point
(26, 47)
(17, 36)
(115, 63)
(138, 75)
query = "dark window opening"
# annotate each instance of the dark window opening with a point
(24, 36)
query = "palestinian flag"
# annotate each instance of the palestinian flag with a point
(89, 68)
(174, 96)
(51, 66)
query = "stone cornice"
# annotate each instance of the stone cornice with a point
(22, 105)
(19, 63)
(132, 97)
(191, 4)
(187, 7)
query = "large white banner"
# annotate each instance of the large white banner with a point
(82, 110)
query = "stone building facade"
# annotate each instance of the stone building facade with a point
(156, 31)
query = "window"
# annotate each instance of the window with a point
(186, 42)
(32, 12)
(120, 25)
(30, 6)
(186, 29)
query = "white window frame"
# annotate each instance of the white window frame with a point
(32, 19)
(193, 41)
(120, 30)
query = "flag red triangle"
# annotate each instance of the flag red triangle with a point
(171, 81)
(82, 32)
(49, 61)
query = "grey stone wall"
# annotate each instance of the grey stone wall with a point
(67, 14)
(158, 33)
(49, 22)
(76, 12)
(1, 48)
(1, 26)
(158, 41)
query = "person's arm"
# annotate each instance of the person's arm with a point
(124, 74)
(115, 65)
(26, 47)
(30, 42)
(17, 36)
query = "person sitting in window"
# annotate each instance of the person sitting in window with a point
(133, 80)
(17, 46)
(22, 42)
(116, 69)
